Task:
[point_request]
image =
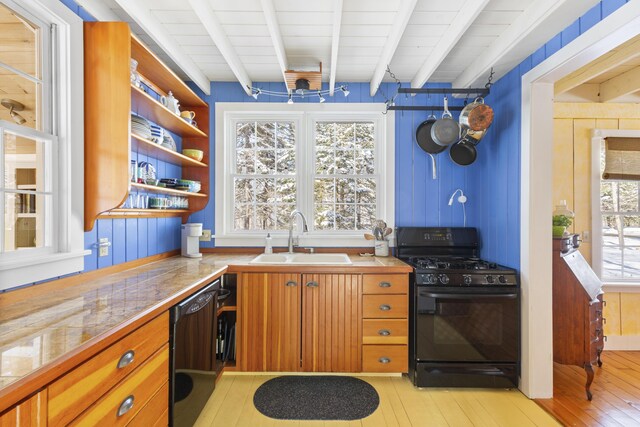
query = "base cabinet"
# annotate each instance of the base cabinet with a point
(331, 323)
(322, 322)
(31, 412)
(268, 324)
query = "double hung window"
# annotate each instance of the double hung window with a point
(334, 164)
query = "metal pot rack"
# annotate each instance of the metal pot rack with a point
(470, 92)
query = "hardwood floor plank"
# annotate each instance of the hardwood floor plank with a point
(502, 411)
(451, 410)
(473, 409)
(616, 392)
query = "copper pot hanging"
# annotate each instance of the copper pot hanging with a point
(476, 116)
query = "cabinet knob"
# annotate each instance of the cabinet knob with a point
(384, 332)
(126, 359)
(312, 284)
(385, 307)
(126, 405)
(384, 360)
(291, 283)
(604, 320)
(384, 284)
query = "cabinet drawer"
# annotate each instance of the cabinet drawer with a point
(137, 389)
(385, 283)
(385, 358)
(385, 331)
(156, 412)
(385, 306)
(78, 389)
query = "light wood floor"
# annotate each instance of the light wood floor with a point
(401, 405)
(615, 388)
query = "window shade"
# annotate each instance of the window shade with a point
(622, 159)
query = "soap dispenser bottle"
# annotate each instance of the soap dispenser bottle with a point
(268, 246)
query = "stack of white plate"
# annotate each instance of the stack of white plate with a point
(140, 126)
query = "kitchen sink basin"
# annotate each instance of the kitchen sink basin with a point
(302, 259)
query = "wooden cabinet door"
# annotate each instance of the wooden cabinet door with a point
(268, 323)
(331, 323)
(30, 413)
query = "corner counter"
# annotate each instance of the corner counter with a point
(48, 329)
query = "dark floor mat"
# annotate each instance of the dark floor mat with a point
(316, 398)
(183, 386)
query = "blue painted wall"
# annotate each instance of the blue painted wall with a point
(494, 180)
(419, 200)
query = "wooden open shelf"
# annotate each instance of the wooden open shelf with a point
(150, 148)
(143, 213)
(151, 67)
(110, 100)
(163, 190)
(147, 107)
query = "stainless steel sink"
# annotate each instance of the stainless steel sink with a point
(302, 259)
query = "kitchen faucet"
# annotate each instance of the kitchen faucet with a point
(292, 219)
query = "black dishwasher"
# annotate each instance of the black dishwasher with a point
(193, 355)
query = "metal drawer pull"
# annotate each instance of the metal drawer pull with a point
(604, 320)
(126, 359)
(291, 283)
(384, 360)
(312, 284)
(125, 406)
(384, 332)
(384, 284)
(385, 307)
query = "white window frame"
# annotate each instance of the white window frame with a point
(65, 121)
(304, 116)
(597, 140)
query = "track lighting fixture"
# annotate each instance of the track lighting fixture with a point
(300, 92)
(14, 106)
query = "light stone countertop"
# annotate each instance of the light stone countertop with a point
(43, 325)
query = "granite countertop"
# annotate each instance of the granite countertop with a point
(38, 329)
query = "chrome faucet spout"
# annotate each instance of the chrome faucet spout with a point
(292, 219)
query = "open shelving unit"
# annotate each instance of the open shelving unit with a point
(110, 99)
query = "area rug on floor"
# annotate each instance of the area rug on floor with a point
(316, 398)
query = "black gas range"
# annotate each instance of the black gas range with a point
(464, 328)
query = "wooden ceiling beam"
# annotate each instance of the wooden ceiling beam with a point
(154, 29)
(619, 86)
(335, 44)
(527, 32)
(395, 34)
(203, 10)
(463, 20)
(276, 38)
(607, 62)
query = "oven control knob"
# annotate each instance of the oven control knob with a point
(467, 279)
(502, 279)
(489, 279)
(444, 279)
(429, 279)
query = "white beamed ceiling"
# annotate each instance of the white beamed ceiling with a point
(306, 29)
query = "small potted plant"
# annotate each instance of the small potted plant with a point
(560, 224)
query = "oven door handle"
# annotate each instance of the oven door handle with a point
(467, 296)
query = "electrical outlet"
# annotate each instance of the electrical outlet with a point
(206, 236)
(586, 236)
(103, 247)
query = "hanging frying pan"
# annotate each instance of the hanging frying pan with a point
(423, 137)
(464, 151)
(445, 131)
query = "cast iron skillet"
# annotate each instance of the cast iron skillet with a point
(423, 136)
